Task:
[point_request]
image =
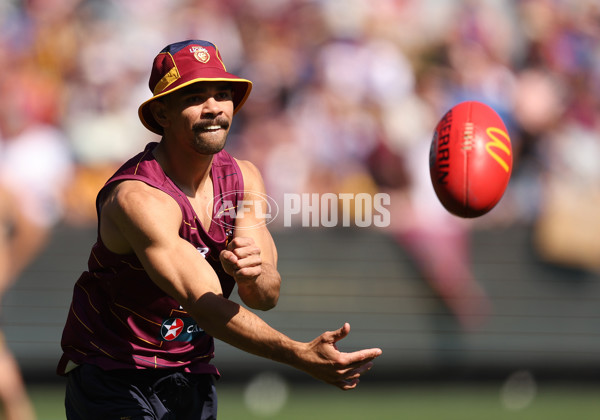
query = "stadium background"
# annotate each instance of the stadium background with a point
(346, 95)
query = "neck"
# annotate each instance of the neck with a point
(188, 169)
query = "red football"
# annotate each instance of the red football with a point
(470, 161)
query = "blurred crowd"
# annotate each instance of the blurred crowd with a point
(349, 88)
(346, 96)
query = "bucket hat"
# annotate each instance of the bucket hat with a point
(183, 63)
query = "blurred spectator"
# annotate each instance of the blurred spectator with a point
(14, 401)
(35, 169)
(352, 91)
(35, 161)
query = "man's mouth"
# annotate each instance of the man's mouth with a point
(212, 127)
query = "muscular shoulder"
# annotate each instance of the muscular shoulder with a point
(133, 209)
(132, 197)
(253, 180)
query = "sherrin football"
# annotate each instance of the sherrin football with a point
(470, 159)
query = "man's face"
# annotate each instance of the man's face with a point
(200, 114)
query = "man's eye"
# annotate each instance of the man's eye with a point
(195, 99)
(225, 95)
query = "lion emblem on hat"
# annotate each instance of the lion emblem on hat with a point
(201, 54)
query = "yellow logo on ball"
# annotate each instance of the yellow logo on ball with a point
(497, 143)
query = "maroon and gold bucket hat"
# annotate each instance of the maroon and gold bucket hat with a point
(183, 63)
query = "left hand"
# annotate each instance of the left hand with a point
(242, 259)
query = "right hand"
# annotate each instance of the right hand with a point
(327, 363)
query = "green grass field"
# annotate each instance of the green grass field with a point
(372, 401)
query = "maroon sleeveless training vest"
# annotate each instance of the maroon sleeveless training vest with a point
(118, 317)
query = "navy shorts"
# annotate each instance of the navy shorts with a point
(93, 393)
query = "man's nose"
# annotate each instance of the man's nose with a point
(211, 106)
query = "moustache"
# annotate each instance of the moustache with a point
(204, 124)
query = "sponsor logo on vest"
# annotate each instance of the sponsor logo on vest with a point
(180, 329)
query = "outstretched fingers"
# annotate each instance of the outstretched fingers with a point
(347, 385)
(337, 335)
(339, 368)
(355, 365)
(360, 357)
(351, 378)
(355, 370)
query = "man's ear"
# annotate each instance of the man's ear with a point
(158, 109)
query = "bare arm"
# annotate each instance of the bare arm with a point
(138, 218)
(21, 240)
(251, 257)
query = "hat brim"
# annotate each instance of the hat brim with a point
(241, 91)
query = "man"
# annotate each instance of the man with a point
(139, 335)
